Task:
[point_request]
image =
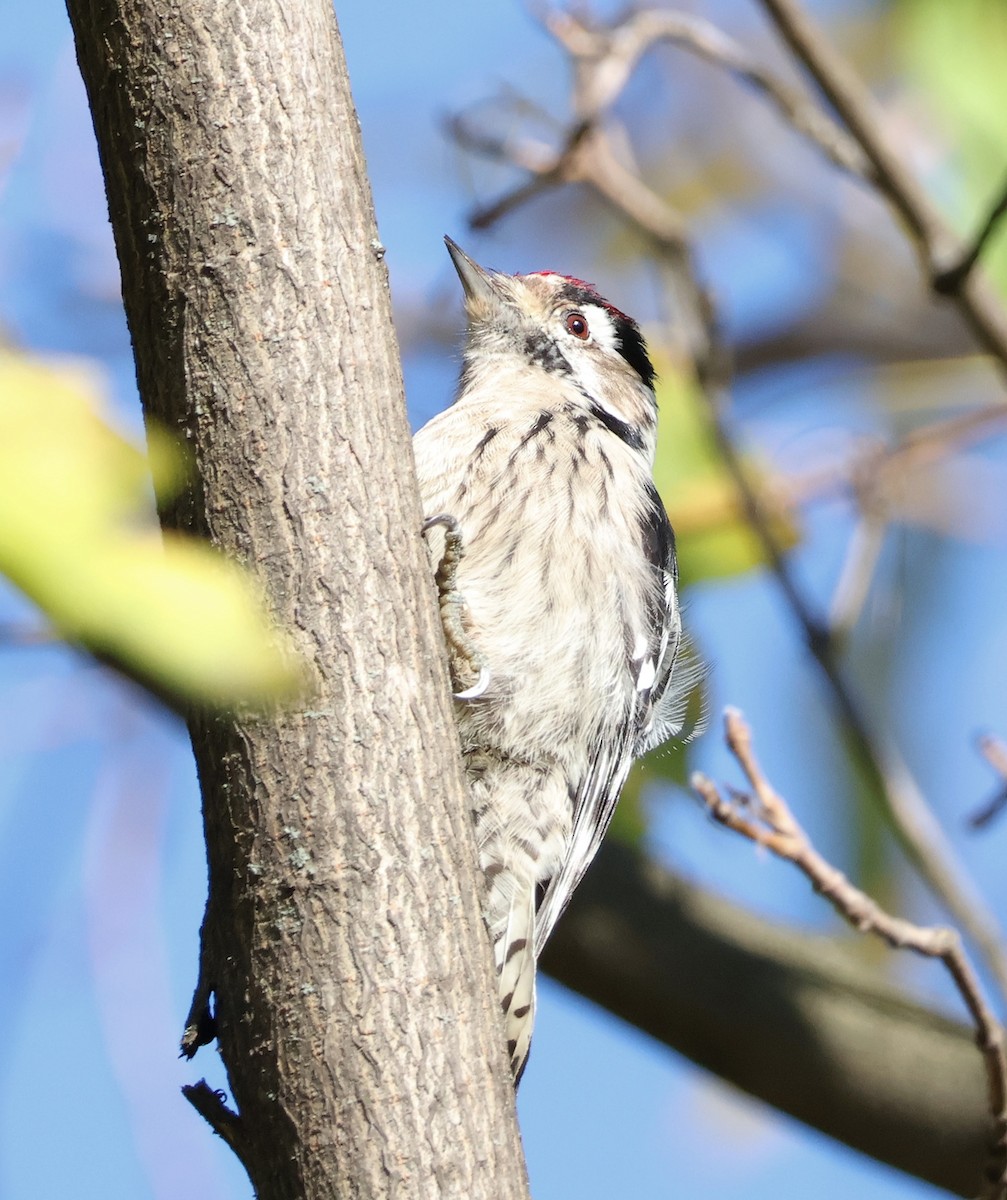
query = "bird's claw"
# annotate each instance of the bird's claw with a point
(444, 519)
(464, 659)
(479, 688)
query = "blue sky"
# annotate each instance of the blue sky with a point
(102, 870)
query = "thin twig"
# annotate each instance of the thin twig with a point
(862, 556)
(873, 464)
(931, 442)
(911, 818)
(994, 750)
(546, 168)
(16, 635)
(764, 817)
(618, 50)
(952, 279)
(200, 1025)
(939, 247)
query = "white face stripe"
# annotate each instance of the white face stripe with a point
(531, 327)
(600, 324)
(590, 371)
(590, 366)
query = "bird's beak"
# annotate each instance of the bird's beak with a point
(481, 291)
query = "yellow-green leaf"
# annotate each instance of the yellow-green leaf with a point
(956, 53)
(715, 540)
(78, 536)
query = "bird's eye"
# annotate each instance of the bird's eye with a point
(576, 323)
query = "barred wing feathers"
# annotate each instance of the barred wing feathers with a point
(656, 711)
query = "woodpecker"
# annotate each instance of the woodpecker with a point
(556, 571)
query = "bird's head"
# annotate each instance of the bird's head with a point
(560, 325)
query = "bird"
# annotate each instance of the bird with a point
(556, 576)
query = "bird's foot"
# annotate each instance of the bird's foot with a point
(470, 676)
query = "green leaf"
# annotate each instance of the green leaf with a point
(78, 536)
(715, 540)
(956, 53)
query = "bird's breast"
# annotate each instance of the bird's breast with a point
(554, 575)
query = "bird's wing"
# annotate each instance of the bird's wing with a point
(656, 711)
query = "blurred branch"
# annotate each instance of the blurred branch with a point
(862, 555)
(939, 247)
(618, 50)
(212, 1108)
(893, 783)
(546, 168)
(763, 816)
(801, 1021)
(994, 750)
(953, 278)
(858, 328)
(589, 154)
(609, 57)
(16, 635)
(931, 442)
(870, 472)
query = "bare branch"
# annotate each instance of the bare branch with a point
(939, 248)
(862, 556)
(211, 1107)
(901, 797)
(932, 442)
(873, 467)
(952, 279)
(763, 816)
(994, 750)
(16, 635)
(618, 50)
(803, 1021)
(546, 168)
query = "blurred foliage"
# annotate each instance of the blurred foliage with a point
(629, 824)
(956, 52)
(78, 536)
(714, 539)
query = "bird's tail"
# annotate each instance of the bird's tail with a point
(514, 949)
(521, 834)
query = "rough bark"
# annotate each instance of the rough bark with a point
(786, 1016)
(355, 1004)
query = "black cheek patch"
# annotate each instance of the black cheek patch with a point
(543, 352)
(622, 429)
(634, 351)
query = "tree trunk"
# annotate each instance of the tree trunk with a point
(354, 998)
